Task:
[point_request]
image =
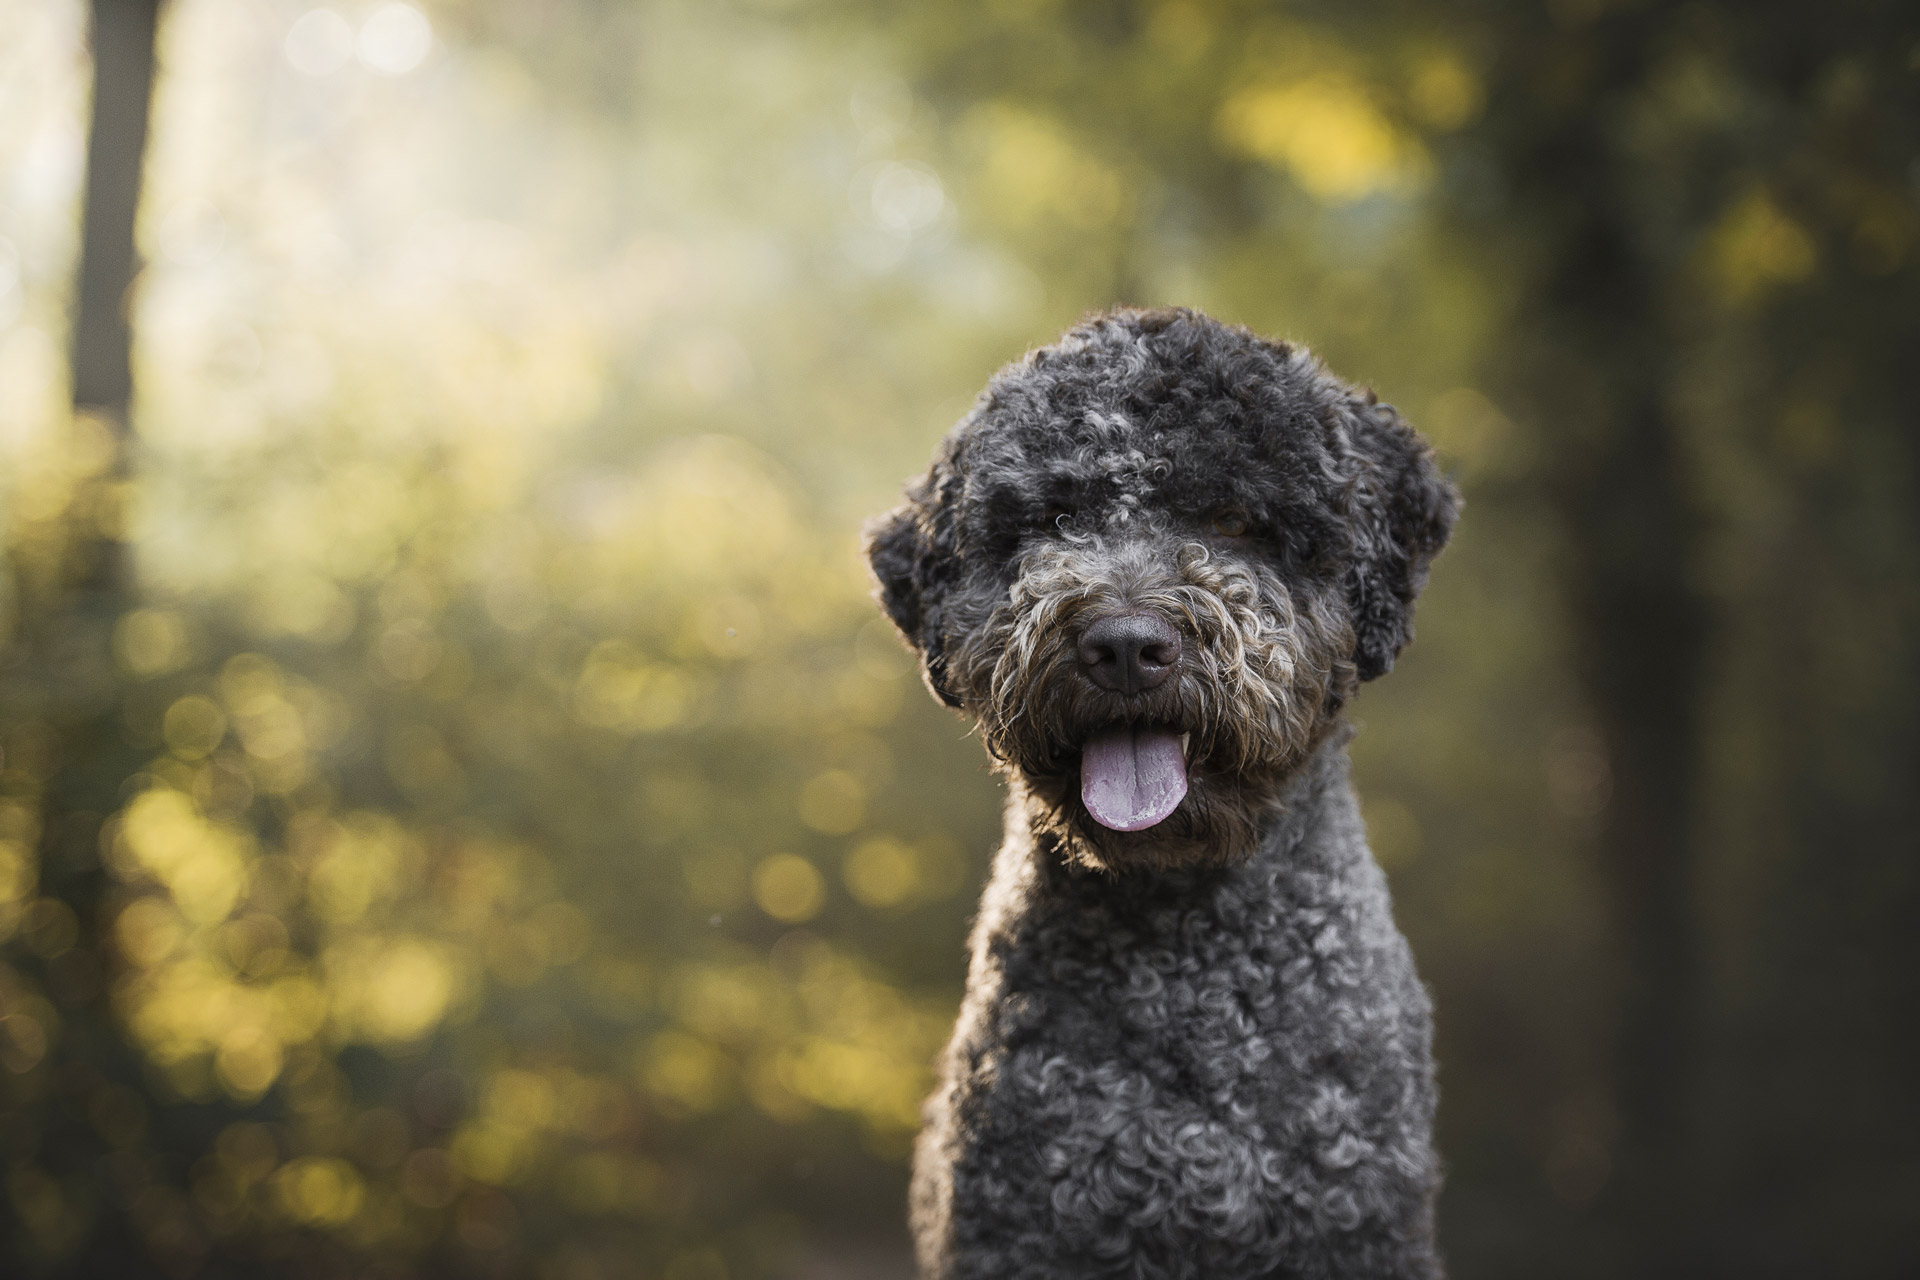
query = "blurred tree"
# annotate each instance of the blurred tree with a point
(63, 705)
(123, 34)
(1599, 359)
(1690, 186)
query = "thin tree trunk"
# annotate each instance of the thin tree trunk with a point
(63, 696)
(75, 610)
(123, 32)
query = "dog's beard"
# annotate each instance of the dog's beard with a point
(1261, 679)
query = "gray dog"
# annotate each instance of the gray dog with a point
(1155, 562)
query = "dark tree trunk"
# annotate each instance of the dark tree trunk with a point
(61, 694)
(1640, 639)
(1603, 360)
(74, 609)
(123, 32)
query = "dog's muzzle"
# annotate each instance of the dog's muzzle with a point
(1132, 776)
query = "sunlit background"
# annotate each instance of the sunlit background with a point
(518, 847)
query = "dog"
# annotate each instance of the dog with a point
(1154, 564)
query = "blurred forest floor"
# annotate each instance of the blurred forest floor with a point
(460, 813)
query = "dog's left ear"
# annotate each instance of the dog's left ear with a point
(912, 554)
(1403, 512)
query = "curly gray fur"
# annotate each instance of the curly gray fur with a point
(1197, 1050)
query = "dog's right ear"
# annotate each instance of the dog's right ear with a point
(1403, 509)
(913, 557)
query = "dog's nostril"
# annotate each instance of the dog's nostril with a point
(1129, 652)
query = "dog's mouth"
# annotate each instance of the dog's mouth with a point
(1133, 776)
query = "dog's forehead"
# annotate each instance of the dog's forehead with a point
(1181, 439)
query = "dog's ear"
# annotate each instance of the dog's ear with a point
(911, 549)
(1403, 512)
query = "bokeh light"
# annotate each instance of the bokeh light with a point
(394, 39)
(319, 43)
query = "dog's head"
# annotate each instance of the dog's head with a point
(1154, 562)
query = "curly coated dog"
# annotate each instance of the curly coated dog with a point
(1154, 563)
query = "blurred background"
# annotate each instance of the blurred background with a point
(461, 815)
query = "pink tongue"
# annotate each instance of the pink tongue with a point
(1132, 778)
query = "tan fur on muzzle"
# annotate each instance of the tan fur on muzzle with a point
(1261, 676)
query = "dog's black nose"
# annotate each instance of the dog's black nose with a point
(1129, 652)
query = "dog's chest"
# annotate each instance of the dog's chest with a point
(1214, 998)
(1180, 1066)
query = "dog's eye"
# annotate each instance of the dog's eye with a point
(1230, 522)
